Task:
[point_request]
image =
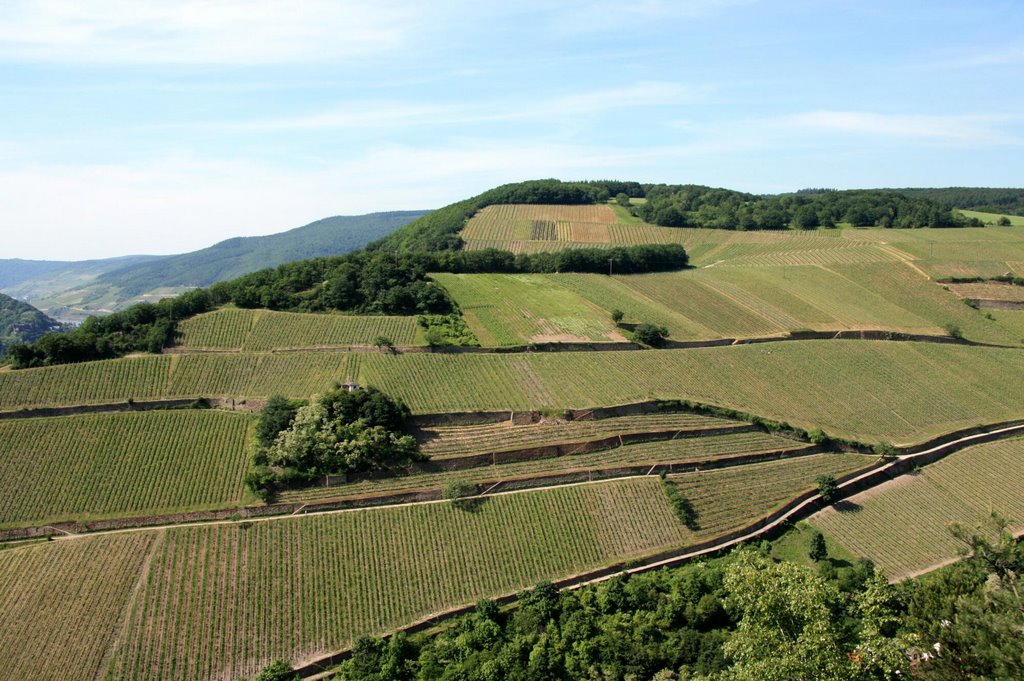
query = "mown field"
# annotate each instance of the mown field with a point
(902, 525)
(870, 390)
(259, 330)
(716, 302)
(219, 601)
(120, 464)
(508, 309)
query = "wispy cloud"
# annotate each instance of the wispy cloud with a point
(193, 31)
(370, 115)
(961, 130)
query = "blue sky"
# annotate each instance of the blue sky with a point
(161, 127)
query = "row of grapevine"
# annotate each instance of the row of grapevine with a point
(689, 450)
(445, 441)
(902, 525)
(257, 330)
(223, 600)
(94, 465)
(64, 603)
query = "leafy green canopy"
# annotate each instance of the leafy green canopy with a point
(699, 206)
(337, 433)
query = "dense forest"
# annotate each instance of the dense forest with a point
(742, 617)
(1007, 201)
(22, 323)
(699, 206)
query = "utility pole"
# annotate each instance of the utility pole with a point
(610, 266)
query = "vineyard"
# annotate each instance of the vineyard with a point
(446, 441)
(903, 392)
(235, 375)
(580, 466)
(902, 524)
(220, 601)
(718, 302)
(989, 291)
(64, 603)
(119, 464)
(259, 330)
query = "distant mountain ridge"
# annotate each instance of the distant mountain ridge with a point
(234, 257)
(72, 291)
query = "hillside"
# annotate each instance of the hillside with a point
(72, 291)
(504, 423)
(22, 323)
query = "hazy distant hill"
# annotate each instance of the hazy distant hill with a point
(22, 323)
(71, 291)
(238, 256)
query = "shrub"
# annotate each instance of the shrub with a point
(650, 334)
(827, 487)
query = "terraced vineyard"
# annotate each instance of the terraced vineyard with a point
(902, 392)
(726, 499)
(64, 603)
(575, 466)
(239, 375)
(441, 442)
(258, 330)
(901, 525)
(222, 600)
(120, 464)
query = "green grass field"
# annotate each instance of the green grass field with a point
(120, 464)
(510, 309)
(260, 330)
(992, 218)
(902, 525)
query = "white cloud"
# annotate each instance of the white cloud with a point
(369, 115)
(201, 31)
(960, 130)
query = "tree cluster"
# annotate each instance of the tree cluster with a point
(742, 617)
(337, 433)
(714, 208)
(985, 199)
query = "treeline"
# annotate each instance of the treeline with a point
(1008, 201)
(744, 616)
(439, 230)
(362, 282)
(146, 327)
(714, 208)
